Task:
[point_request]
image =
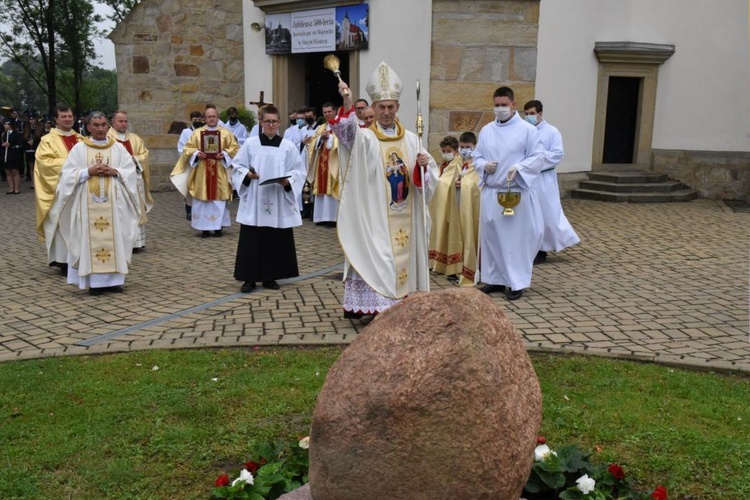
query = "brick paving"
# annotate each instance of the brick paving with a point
(658, 282)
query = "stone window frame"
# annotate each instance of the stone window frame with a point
(283, 6)
(634, 60)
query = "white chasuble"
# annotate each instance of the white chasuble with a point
(380, 222)
(96, 216)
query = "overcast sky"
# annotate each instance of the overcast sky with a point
(105, 49)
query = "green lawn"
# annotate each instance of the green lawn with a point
(114, 426)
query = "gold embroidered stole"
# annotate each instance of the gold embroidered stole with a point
(399, 198)
(101, 230)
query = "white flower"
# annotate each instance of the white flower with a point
(245, 476)
(154, 368)
(215, 379)
(541, 453)
(305, 443)
(585, 484)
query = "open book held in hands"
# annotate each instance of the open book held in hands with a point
(274, 180)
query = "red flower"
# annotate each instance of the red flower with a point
(660, 493)
(541, 440)
(617, 471)
(252, 467)
(222, 480)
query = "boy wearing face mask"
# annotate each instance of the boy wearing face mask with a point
(509, 156)
(558, 233)
(445, 233)
(468, 208)
(236, 126)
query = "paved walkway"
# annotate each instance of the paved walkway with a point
(661, 282)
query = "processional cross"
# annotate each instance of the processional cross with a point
(260, 103)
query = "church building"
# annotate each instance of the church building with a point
(631, 84)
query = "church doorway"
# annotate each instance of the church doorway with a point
(623, 97)
(311, 84)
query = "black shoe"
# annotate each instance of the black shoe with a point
(514, 294)
(352, 315)
(138, 249)
(540, 257)
(63, 269)
(271, 285)
(115, 289)
(96, 291)
(205, 234)
(218, 234)
(247, 287)
(452, 277)
(488, 289)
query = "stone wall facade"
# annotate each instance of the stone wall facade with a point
(172, 58)
(723, 175)
(478, 46)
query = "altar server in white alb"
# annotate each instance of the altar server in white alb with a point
(558, 233)
(96, 210)
(235, 126)
(380, 222)
(509, 154)
(268, 174)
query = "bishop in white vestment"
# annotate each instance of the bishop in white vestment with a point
(380, 223)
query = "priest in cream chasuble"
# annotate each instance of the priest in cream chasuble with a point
(137, 149)
(323, 169)
(96, 211)
(380, 221)
(468, 207)
(205, 178)
(50, 156)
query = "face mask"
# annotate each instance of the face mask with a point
(292, 121)
(309, 120)
(533, 119)
(233, 120)
(502, 113)
(448, 156)
(466, 152)
(300, 122)
(198, 124)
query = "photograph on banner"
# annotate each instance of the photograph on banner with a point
(314, 31)
(352, 27)
(278, 34)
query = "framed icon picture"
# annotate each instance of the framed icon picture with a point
(211, 143)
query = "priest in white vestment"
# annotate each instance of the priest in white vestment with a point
(381, 220)
(323, 170)
(558, 233)
(96, 210)
(203, 175)
(267, 175)
(137, 149)
(509, 155)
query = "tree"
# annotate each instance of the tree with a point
(77, 29)
(32, 40)
(121, 8)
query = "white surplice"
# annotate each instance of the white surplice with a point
(69, 215)
(558, 233)
(239, 130)
(509, 243)
(270, 205)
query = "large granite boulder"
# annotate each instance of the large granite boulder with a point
(435, 399)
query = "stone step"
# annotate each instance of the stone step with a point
(617, 187)
(639, 197)
(627, 177)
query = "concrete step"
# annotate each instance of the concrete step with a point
(627, 177)
(639, 197)
(641, 187)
